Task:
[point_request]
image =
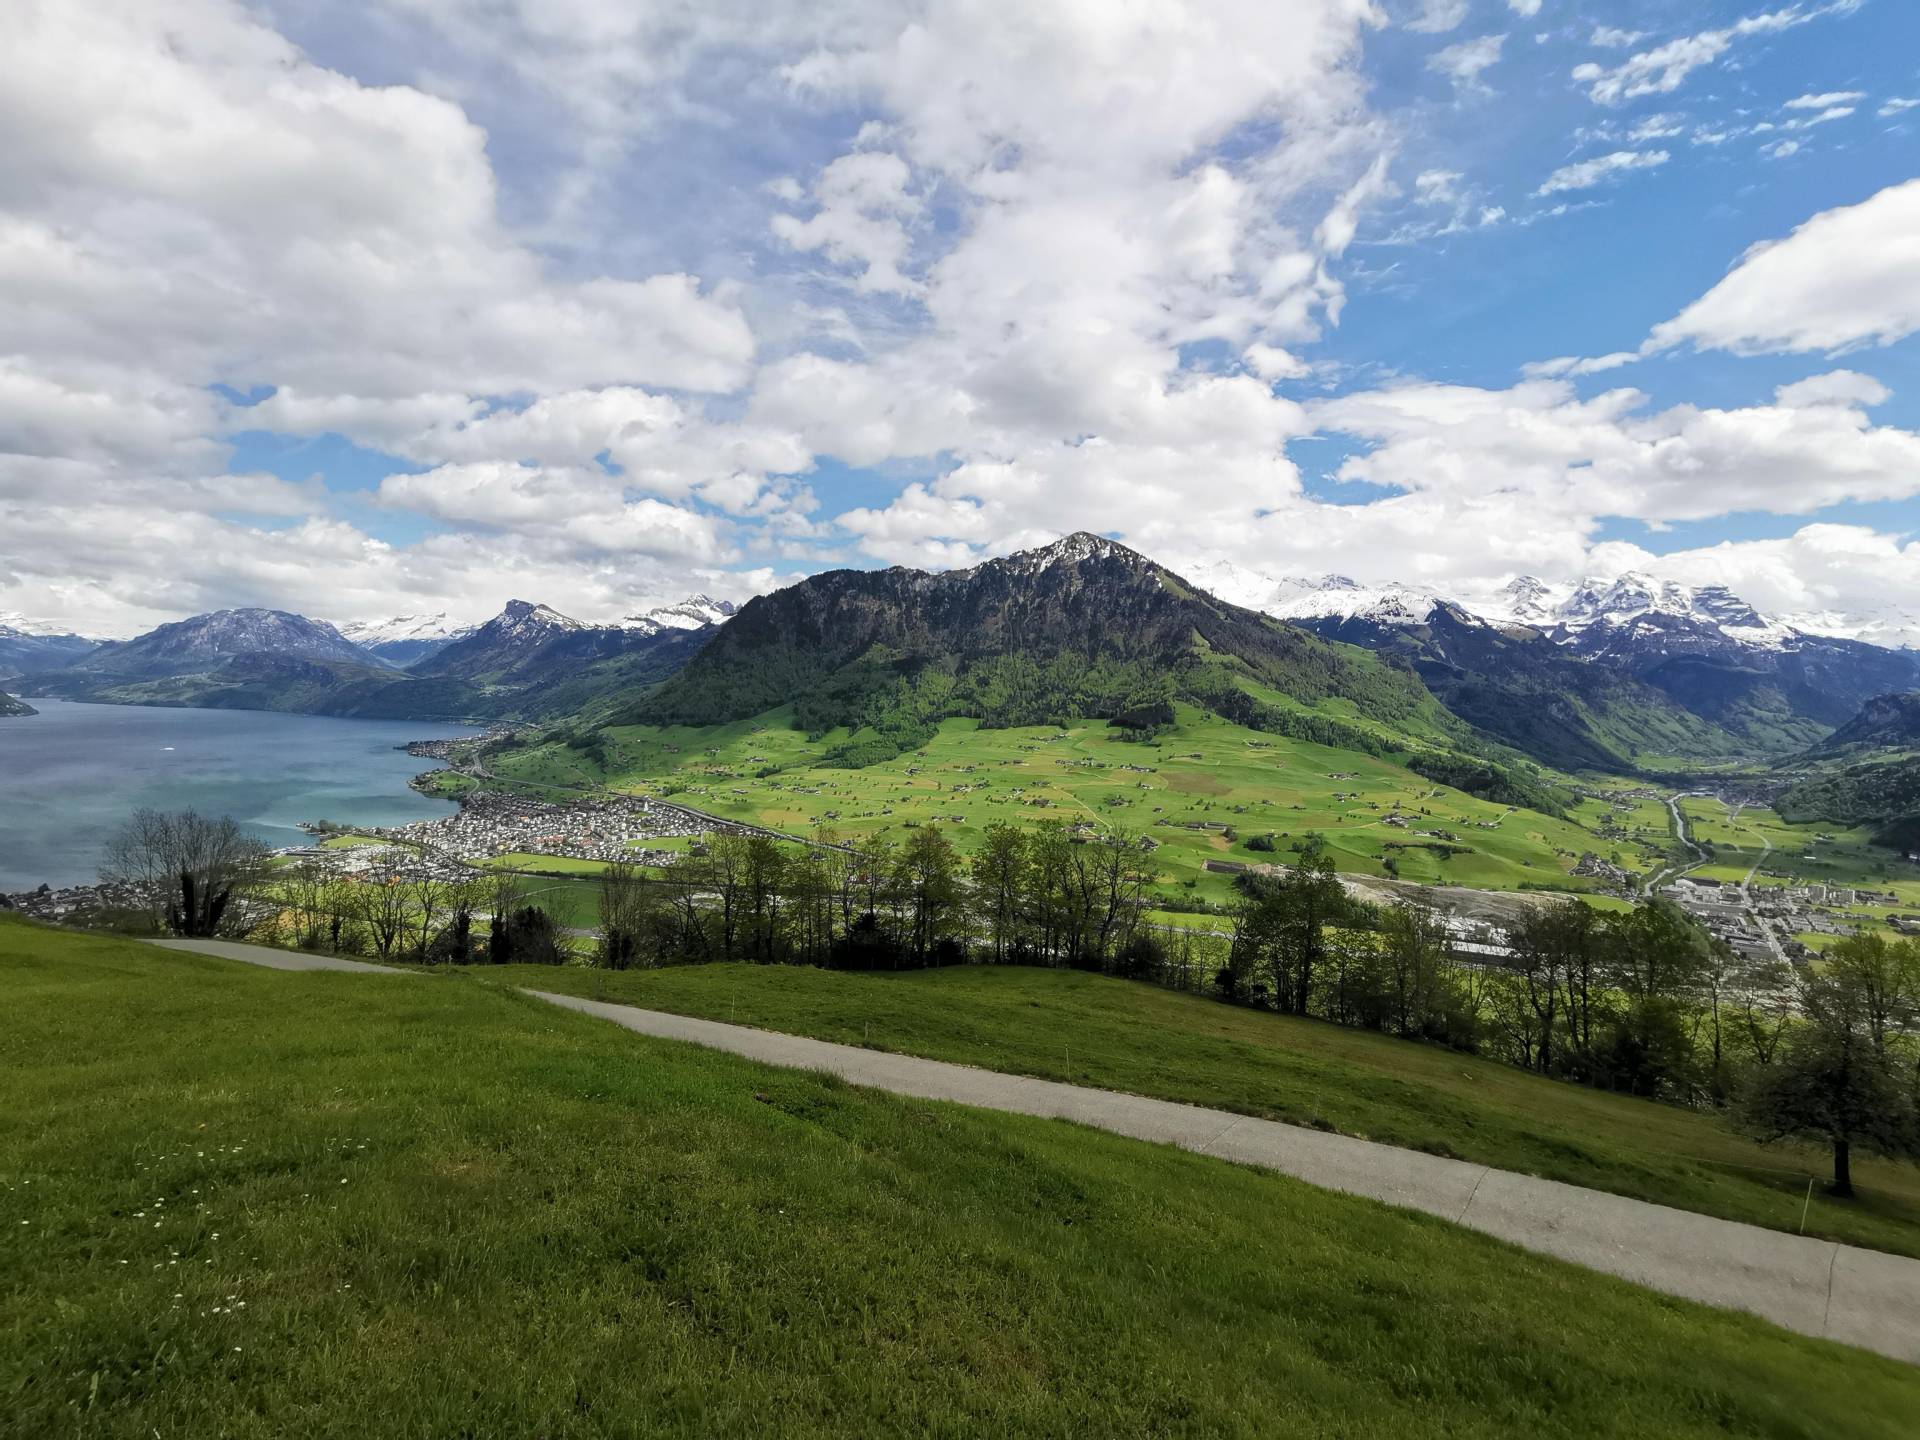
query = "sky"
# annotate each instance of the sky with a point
(401, 307)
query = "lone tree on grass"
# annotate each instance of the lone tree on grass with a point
(1837, 1081)
(187, 868)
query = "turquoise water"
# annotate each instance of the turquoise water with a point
(71, 774)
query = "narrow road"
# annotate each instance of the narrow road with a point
(1816, 1287)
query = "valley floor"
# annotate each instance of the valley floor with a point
(250, 1203)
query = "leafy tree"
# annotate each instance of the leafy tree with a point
(1835, 1083)
(999, 873)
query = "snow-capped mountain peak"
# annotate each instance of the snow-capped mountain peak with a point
(1639, 601)
(15, 626)
(696, 612)
(1525, 600)
(403, 627)
(1335, 597)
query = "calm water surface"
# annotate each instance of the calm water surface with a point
(71, 774)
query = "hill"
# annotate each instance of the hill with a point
(505, 1219)
(12, 707)
(1884, 794)
(1886, 721)
(1082, 628)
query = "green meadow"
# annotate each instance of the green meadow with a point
(247, 1203)
(1201, 791)
(1122, 1035)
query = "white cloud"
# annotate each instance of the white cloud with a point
(1780, 149)
(1438, 16)
(1836, 387)
(1584, 174)
(1048, 263)
(1896, 106)
(1849, 276)
(1574, 365)
(1825, 101)
(865, 207)
(1656, 127)
(1466, 62)
(1610, 38)
(1665, 68)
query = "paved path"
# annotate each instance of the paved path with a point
(1861, 1297)
(274, 959)
(1819, 1288)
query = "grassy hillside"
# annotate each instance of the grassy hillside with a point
(1115, 1034)
(250, 1203)
(1203, 772)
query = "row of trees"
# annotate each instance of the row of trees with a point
(1042, 896)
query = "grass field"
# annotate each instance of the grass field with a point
(248, 1203)
(1202, 779)
(1122, 1035)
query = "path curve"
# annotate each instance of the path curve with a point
(1816, 1287)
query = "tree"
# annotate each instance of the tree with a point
(381, 901)
(1835, 1083)
(1416, 957)
(624, 906)
(1884, 975)
(927, 879)
(186, 869)
(504, 897)
(999, 872)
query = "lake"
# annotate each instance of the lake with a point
(71, 775)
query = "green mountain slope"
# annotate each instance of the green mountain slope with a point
(1083, 628)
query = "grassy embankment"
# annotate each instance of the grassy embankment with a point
(1120, 1035)
(249, 1203)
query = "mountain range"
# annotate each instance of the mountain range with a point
(1617, 675)
(1604, 674)
(25, 646)
(529, 661)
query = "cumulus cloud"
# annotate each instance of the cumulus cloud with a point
(1847, 277)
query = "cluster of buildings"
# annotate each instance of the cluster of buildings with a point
(492, 823)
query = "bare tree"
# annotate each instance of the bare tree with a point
(187, 869)
(381, 902)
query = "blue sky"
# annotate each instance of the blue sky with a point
(404, 306)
